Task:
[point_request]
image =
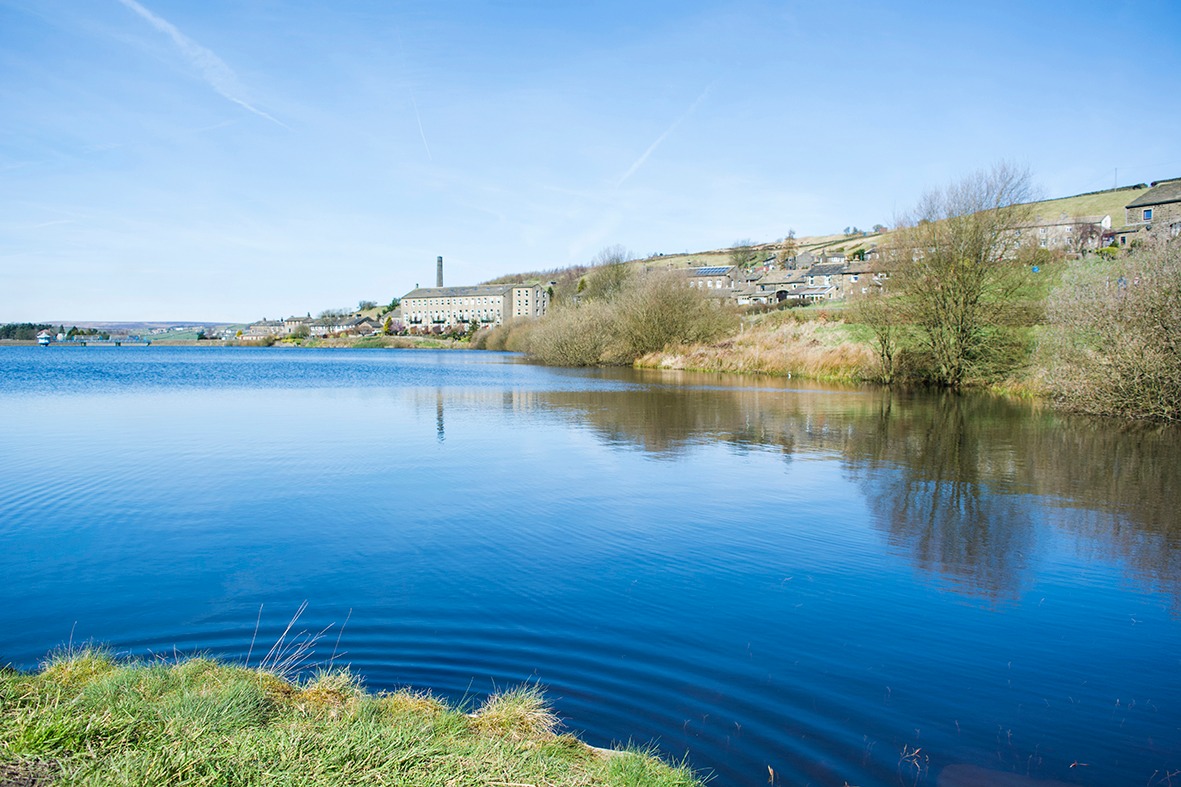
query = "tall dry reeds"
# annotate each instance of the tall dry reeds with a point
(822, 351)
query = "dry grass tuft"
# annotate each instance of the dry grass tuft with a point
(75, 669)
(518, 714)
(407, 701)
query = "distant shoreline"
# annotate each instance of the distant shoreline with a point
(350, 343)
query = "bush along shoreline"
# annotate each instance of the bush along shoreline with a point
(969, 303)
(86, 718)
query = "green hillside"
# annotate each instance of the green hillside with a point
(1100, 203)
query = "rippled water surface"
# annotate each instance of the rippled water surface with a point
(781, 581)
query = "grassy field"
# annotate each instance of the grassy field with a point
(1101, 203)
(172, 337)
(86, 719)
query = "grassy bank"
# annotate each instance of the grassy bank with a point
(799, 343)
(86, 719)
(390, 342)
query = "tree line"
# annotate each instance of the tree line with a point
(27, 331)
(23, 331)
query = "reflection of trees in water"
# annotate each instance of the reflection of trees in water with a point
(666, 419)
(1117, 484)
(960, 483)
(930, 476)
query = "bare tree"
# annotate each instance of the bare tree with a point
(743, 253)
(878, 313)
(612, 255)
(609, 276)
(788, 249)
(1084, 235)
(956, 259)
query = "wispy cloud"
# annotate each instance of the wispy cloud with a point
(651, 148)
(214, 70)
(53, 223)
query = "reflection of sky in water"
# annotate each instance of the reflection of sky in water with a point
(758, 573)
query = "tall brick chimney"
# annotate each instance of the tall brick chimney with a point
(439, 273)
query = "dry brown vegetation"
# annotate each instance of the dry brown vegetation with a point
(780, 344)
(511, 335)
(1114, 344)
(623, 323)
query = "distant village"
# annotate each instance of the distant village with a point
(847, 267)
(782, 273)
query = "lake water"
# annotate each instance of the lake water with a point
(772, 578)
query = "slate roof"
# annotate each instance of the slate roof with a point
(783, 277)
(494, 290)
(827, 269)
(804, 292)
(1162, 191)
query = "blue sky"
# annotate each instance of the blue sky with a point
(226, 161)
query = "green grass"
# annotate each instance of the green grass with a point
(87, 719)
(1102, 203)
(172, 336)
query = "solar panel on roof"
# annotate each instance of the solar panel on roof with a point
(712, 271)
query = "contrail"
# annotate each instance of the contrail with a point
(213, 69)
(421, 133)
(644, 158)
(413, 100)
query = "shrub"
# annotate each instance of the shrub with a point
(661, 311)
(575, 335)
(511, 335)
(1114, 344)
(653, 313)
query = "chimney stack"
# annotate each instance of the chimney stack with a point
(439, 273)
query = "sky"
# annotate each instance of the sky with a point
(230, 160)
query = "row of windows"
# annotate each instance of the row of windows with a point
(458, 301)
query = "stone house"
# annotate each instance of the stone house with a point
(263, 329)
(804, 260)
(1070, 233)
(1158, 209)
(713, 278)
(775, 287)
(821, 282)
